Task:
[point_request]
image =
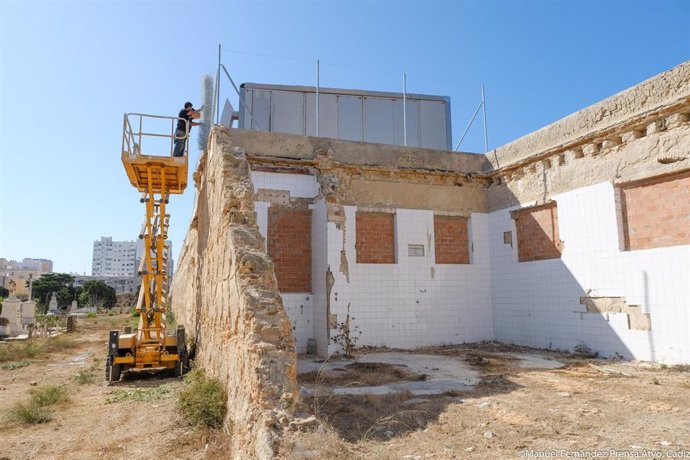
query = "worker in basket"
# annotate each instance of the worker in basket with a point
(188, 113)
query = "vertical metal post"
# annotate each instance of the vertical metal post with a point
(317, 96)
(216, 109)
(486, 134)
(404, 109)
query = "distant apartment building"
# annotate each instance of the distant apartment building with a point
(21, 272)
(27, 263)
(114, 258)
(120, 260)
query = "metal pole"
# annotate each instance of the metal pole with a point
(317, 97)
(216, 110)
(486, 134)
(457, 146)
(404, 109)
(242, 101)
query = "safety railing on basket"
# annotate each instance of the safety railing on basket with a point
(132, 141)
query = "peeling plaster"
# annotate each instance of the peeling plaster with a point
(330, 281)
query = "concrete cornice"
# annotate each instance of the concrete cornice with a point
(604, 123)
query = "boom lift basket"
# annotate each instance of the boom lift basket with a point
(156, 173)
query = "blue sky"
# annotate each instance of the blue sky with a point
(69, 70)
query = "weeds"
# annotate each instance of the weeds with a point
(91, 315)
(29, 414)
(59, 343)
(19, 351)
(50, 321)
(583, 351)
(680, 368)
(202, 401)
(347, 335)
(48, 395)
(35, 348)
(84, 377)
(170, 318)
(12, 365)
(37, 409)
(138, 394)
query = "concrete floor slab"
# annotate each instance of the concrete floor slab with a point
(443, 373)
(532, 361)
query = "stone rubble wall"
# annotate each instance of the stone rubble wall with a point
(225, 294)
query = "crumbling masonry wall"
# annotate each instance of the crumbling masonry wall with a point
(590, 289)
(226, 295)
(580, 169)
(374, 214)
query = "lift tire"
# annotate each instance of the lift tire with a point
(115, 372)
(182, 366)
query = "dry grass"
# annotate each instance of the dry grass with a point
(361, 374)
(36, 348)
(29, 414)
(49, 395)
(12, 365)
(85, 376)
(202, 400)
(138, 394)
(323, 443)
(379, 417)
(37, 409)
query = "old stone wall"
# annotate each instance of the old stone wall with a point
(225, 293)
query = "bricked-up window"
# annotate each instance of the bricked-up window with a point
(537, 232)
(656, 212)
(451, 239)
(375, 242)
(289, 246)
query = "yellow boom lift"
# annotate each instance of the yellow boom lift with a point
(151, 347)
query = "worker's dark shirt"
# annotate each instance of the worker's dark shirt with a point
(180, 124)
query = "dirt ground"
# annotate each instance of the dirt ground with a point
(99, 420)
(588, 404)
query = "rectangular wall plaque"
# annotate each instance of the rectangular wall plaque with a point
(415, 250)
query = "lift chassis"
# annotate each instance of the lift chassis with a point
(151, 346)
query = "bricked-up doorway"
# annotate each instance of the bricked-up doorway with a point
(289, 246)
(656, 212)
(451, 240)
(375, 239)
(537, 233)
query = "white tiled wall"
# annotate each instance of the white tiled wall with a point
(414, 302)
(538, 303)
(300, 309)
(299, 185)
